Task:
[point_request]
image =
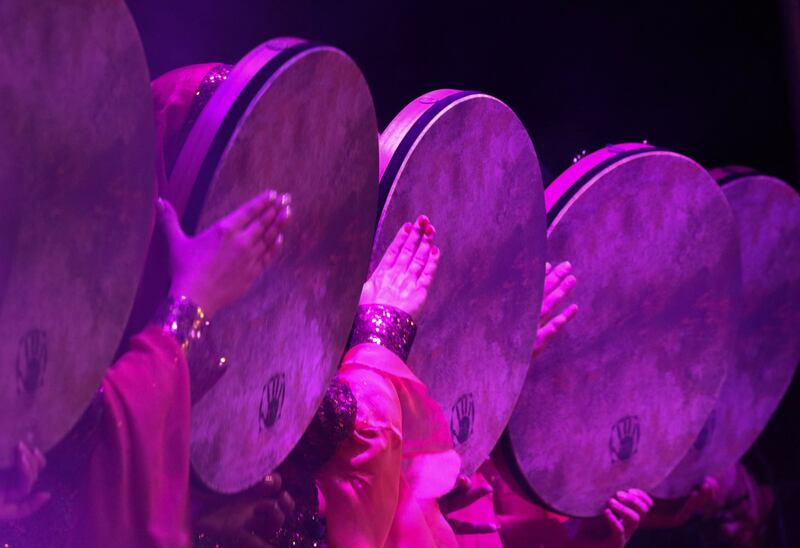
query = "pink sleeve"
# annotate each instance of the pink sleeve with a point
(139, 471)
(381, 486)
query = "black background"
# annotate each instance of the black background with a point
(706, 78)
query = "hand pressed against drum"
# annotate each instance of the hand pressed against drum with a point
(406, 270)
(624, 514)
(16, 499)
(218, 266)
(558, 284)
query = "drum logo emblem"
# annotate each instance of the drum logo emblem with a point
(271, 406)
(705, 434)
(462, 419)
(624, 440)
(31, 361)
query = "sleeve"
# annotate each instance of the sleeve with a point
(380, 487)
(138, 477)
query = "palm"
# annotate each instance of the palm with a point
(406, 270)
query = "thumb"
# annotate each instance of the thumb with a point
(168, 219)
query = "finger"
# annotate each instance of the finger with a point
(643, 495)
(27, 470)
(254, 232)
(269, 255)
(279, 222)
(411, 244)
(633, 502)
(468, 528)
(24, 509)
(422, 254)
(555, 276)
(556, 296)
(390, 256)
(615, 525)
(286, 503)
(40, 460)
(168, 219)
(556, 324)
(428, 273)
(251, 210)
(628, 516)
(547, 268)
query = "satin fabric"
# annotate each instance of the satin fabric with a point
(381, 487)
(138, 479)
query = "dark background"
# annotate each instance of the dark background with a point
(706, 78)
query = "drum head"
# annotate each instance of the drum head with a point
(618, 397)
(465, 159)
(76, 206)
(767, 213)
(304, 124)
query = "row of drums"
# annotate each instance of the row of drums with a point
(688, 279)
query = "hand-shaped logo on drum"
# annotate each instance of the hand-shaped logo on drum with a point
(31, 361)
(269, 410)
(624, 440)
(462, 418)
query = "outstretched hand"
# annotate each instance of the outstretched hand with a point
(406, 270)
(218, 266)
(558, 284)
(16, 498)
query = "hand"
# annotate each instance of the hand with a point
(558, 284)
(705, 501)
(625, 512)
(16, 499)
(218, 266)
(463, 495)
(406, 270)
(250, 519)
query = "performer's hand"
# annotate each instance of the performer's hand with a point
(218, 266)
(249, 519)
(463, 495)
(406, 270)
(16, 498)
(624, 514)
(558, 284)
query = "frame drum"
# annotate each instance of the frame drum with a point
(616, 399)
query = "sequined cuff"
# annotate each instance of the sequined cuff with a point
(182, 319)
(385, 325)
(333, 423)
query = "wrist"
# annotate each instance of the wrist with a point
(386, 326)
(181, 318)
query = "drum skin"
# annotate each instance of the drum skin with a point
(617, 397)
(308, 128)
(76, 206)
(767, 213)
(465, 160)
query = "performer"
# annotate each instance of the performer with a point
(492, 509)
(127, 462)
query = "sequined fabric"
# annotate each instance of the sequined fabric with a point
(205, 91)
(385, 325)
(333, 423)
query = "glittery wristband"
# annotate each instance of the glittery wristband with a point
(182, 319)
(385, 325)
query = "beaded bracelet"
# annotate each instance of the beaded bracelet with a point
(182, 319)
